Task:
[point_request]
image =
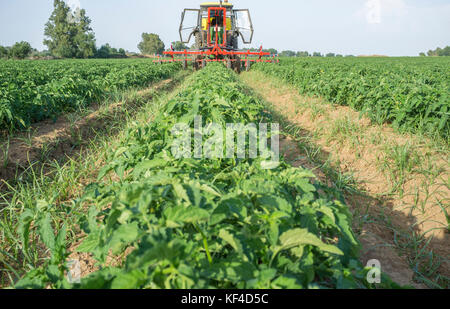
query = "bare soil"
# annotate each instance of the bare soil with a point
(355, 146)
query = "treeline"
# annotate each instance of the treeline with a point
(291, 53)
(68, 34)
(438, 52)
(20, 50)
(23, 50)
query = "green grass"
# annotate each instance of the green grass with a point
(345, 129)
(398, 162)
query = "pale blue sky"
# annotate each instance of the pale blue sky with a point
(389, 27)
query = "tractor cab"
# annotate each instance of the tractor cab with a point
(216, 22)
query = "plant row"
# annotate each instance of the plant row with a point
(32, 91)
(205, 223)
(410, 93)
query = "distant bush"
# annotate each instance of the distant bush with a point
(288, 53)
(20, 50)
(303, 54)
(45, 54)
(106, 51)
(3, 52)
(439, 52)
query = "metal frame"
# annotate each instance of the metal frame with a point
(183, 14)
(251, 25)
(217, 52)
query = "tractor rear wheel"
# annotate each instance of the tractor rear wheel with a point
(248, 65)
(198, 40)
(234, 42)
(229, 64)
(197, 62)
(237, 65)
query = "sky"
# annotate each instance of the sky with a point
(357, 27)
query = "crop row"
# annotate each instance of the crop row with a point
(412, 94)
(204, 223)
(32, 91)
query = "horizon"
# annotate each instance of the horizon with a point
(356, 27)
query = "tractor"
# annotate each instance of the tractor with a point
(216, 28)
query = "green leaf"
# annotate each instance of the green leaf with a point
(126, 281)
(123, 236)
(231, 240)
(89, 244)
(299, 237)
(46, 232)
(178, 216)
(181, 192)
(147, 165)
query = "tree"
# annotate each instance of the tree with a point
(317, 54)
(178, 46)
(106, 51)
(69, 34)
(20, 50)
(303, 54)
(41, 54)
(3, 52)
(439, 52)
(85, 38)
(422, 55)
(151, 44)
(59, 32)
(273, 51)
(331, 55)
(288, 53)
(445, 52)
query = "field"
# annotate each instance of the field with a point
(363, 175)
(32, 91)
(410, 94)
